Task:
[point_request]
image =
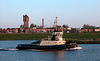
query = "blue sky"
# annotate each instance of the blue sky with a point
(74, 13)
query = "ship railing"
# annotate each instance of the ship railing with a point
(44, 38)
(63, 39)
(49, 36)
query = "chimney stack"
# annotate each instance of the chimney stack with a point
(42, 23)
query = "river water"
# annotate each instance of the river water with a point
(89, 52)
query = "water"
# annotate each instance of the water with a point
(89, 52)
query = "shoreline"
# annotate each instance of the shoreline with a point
(80, 38)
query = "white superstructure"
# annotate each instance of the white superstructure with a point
(56, 39)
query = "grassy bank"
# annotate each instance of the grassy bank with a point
(82, 35)
(71, 36)
(76, 37)
(22, 36)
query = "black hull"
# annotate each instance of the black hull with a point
(53, 47)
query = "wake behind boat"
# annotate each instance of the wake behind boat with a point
(7, 49)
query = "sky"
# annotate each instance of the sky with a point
(74, 13)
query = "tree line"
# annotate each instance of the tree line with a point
(87, 26)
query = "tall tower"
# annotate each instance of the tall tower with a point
(42, 23)
(26, 20)
(55, 23)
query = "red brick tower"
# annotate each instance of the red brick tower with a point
(26, 20)
(42, 23)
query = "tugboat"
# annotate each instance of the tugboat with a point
(54, 42)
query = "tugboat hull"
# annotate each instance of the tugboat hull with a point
(52, 47)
